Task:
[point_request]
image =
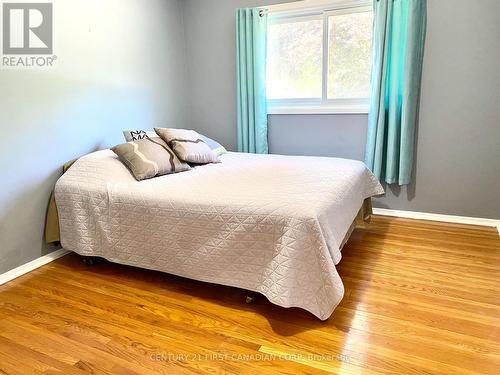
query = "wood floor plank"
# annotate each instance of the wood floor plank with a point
(420, 298)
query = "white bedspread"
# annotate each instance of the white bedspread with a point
(267, 223)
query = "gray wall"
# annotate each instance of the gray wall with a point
(121, 65)
(342, 136)
(458, 152)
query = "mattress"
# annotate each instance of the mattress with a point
(267, 223)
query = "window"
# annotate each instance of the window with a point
(320, 62)
(294, 66)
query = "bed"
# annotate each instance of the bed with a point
(270, 224)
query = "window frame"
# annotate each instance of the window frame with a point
(322, 105)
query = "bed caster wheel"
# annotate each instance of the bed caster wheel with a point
(89, 261)
(250, 299)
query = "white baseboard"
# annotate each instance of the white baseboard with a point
(438, 217)
(33, 265)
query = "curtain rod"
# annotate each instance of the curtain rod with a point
(306, 4)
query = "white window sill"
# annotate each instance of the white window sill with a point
(318, 110)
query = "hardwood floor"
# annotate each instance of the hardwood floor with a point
(421, 298)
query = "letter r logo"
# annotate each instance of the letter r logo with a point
(27, 28)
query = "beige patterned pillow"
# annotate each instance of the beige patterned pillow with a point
(149, 157)
(188, 145)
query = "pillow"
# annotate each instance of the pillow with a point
(188, 145)
(214, 145)
(149, 157)
(135, 135)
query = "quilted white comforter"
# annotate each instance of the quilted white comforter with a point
(267, 223)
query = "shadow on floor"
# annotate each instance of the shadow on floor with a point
(283, 321)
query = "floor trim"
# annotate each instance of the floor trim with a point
(438, 217)
(33, 265)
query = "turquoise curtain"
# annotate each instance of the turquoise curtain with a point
(398, 47)
(251, 45)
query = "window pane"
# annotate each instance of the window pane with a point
(349, 60)
(294, 65)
